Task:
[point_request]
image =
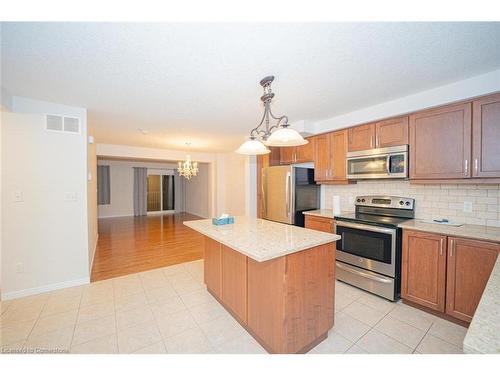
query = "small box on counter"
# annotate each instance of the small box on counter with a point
(223, 220)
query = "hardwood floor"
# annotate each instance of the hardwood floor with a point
(134, 244)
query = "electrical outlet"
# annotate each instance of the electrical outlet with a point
(17, 196)
(467, 207)
(19, 267)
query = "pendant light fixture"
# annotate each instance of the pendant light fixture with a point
(265, 134)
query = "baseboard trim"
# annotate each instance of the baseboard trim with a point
(44, 288)
(112, 216)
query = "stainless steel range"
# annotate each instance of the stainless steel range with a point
(369, 253)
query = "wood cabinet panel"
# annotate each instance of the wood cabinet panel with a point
(424, 269)
(361, 137)
(309, 300)
(338, 147)
(305, 153)
(440, 143)
(274, 156)
(391, 132)
(486, 136)
(212, 266)
(287, 155)
(234, 282)
(469, 267)
(322, 157)
(322, 224)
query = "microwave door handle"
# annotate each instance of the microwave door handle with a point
(388, 165)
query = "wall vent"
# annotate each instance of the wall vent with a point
(63, 124)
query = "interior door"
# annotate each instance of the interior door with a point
(277, 193)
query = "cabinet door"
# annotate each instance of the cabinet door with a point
(440, 143)
(305, 153)
(392, 132)
(287, 155)
(322, 224)
(274, 156)
(212, 267)
(322, 160)
(338, 144)
(362, 137)
(234, 282)
(423, 275)
(486, 136)
(469, 267)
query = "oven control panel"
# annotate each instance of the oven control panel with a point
(385, 201)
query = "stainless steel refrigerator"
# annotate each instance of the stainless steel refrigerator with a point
(287, 192)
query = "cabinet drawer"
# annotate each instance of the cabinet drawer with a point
(323, 224)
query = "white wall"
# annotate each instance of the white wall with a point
(122, 186)
(233, 184)
(197, 193)
(44, 233)
(91, 198)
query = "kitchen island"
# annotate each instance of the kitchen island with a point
(277, 280)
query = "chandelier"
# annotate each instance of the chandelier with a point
(187, 168)
(265, 134)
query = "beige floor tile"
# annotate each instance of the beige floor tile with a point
(244, 344)
(174, 270)
(16, 331)
(197, 297)
(153, 280)
(187, 286)
(206, 312)
(102, 345)
(169, 306)
(334, 344)
(349, 290)
(61, 303)
(342, 301)
(352, 329)
(377, 303)
(123, 286)
(55, 322)
(75, 292)
(175, 323)
(130, 301)
(35, 302)
(94, 329)
(51, 342)
(3, 306)
(414, 317)
(19, 314)
(434, 345)
(448, 331)
(364, 313)
(98, 310)
(99, 295)
(377, 343)
(133, 317)
(157, 295)
(355, 349)
(222, 329)
(137, 337)
(158, 348)
(192, 341)
(400, 331)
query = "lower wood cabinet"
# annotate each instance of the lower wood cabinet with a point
(212, 267)
(234, 282)
(446, 274)
(323, 224)
(469, 267)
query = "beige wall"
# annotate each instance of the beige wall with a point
(197, 193)
(44, 236)
(91, 199)
(232, 184)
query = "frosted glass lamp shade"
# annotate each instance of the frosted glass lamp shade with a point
(253, 147)
(285, 137)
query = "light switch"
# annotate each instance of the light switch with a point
(69, 196)
(17, 196)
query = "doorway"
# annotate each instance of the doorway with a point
(160, 191)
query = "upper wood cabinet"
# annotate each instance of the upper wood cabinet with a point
(298, 154)
(391, 132)
(440, 143)
(274, 156)
(423, 274)
(469, 267)
(330, 157)
(361, 137)
(486, 136)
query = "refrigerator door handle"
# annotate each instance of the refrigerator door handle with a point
(287, 194)
(264, 194)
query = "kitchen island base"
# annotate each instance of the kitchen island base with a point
(286, 303)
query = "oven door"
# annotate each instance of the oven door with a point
(367, 246)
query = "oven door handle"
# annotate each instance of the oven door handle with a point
(370, 228)
(363, 274)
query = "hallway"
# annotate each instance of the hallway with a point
(131, 244)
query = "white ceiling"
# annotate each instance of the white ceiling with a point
(200, 82)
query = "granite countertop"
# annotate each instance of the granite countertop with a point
(322, 213)
(261, 239)
(478, 232)
(483, 335)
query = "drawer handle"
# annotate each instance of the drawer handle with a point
(363, 274)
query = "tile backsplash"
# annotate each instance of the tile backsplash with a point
(431, 201)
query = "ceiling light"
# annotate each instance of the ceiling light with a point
(188, 168)
(262, 133)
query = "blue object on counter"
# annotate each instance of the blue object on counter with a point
(223, 221)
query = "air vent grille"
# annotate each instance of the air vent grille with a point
(63, 124)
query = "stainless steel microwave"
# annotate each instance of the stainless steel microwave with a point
(390, 162)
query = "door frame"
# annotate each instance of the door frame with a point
(161, 172)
